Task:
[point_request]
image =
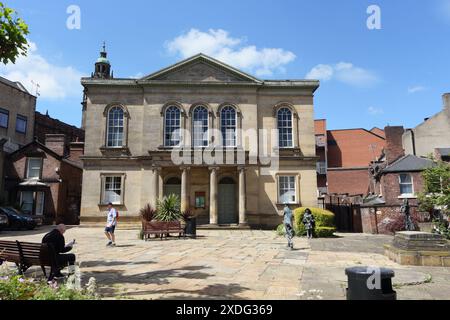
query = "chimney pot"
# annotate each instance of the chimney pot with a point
(446, 99)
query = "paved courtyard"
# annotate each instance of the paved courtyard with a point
(236, 265)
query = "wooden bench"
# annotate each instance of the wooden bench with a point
(26, 255)
(161, 229)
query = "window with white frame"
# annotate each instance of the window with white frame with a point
(172, 127)
(406, 185)
(115, 128)
(4, 118)
(34, 167)
(287, 191)
(200, 127)
(284, 117)
(228, 120)
(112, 190)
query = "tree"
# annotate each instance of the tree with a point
(437, 188)
(13, 32)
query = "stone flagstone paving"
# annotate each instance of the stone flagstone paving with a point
(236, 264)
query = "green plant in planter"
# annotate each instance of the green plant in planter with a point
(187, 215)
(168, 209)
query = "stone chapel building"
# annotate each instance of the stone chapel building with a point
(133, 127)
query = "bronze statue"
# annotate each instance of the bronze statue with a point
(409, 225)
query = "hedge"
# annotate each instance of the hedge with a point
(324, 223)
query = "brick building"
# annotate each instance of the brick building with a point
(349, 153)
(394, 177)
(17, 107)
(45, 179)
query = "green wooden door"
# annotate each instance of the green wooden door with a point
(227, 203)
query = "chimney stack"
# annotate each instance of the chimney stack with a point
(446, 99)
(76, 150)
(394, 144)
(56, 143)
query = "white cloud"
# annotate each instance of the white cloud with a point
(220, 45)
(344, 72)
(373, 111)
(55, 82)
(416, 89)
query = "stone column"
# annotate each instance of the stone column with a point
(154, 192)
(213, 214)
(184, 205)
(242, 198)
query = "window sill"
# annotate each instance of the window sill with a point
(289, 204)
(407, 196)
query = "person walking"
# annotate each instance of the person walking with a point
(288, 221)
(309, 222)
(111, 223)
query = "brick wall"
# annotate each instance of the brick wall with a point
(353, 148)
(394, 144)
(375, 220)
(352, 182)
(391, 187)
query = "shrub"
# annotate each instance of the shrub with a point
(168, 209)
(393, 225)
(147, 213)
(323, 218)
(18, 288)
(281, 231)
(324, 232)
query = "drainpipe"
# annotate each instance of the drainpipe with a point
(413, 140)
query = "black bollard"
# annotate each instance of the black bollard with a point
(370, 283)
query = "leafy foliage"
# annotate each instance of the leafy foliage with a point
(324, 223)
(324, 218)
(16, 287)
(13, 32)
(437, 188)
(168, 209)
(147, 213)
(187, 215)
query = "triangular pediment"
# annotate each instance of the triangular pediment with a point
(201, 68)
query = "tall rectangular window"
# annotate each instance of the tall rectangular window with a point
(4, 118)
(21, 124)
(406, 184)
(287, 192)
(34, 166)
(112, 190)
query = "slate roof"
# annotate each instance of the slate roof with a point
(409, 163)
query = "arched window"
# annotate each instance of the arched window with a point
(172, 127)
(284, 116)
(115, 128)
(200, 127)
(228, 126)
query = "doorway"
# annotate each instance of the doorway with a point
(227, 202)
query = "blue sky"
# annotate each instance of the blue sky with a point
(394, 76)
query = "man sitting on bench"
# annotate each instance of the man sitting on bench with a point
(56, 238)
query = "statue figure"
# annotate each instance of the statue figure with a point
(409, 225)
(288, 220)
(309, 222)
